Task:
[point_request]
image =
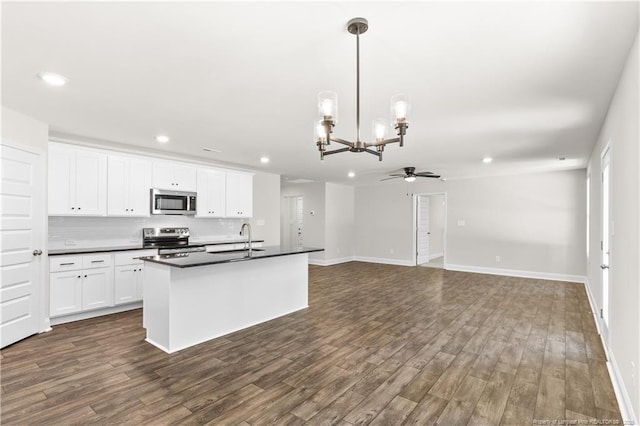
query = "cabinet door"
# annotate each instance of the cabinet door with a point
(139, 282)
(97, 288)
(61, 180)
(139, 187)
(184, 177)
(91, 183)
(239, 195)
(117, 185)
(65, 293)
(211, 193)
(163, 175)
(125, 284)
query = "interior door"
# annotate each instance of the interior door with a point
(606, 242)
(423, 232)
(294, 221)
(22, 211)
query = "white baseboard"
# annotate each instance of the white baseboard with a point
(97, 313)
(624, 401)
(399, 262)
(516, 273)
(622, 396)
(329, 262)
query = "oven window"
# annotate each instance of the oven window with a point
(171, 202)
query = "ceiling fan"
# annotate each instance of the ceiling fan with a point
(410, 175)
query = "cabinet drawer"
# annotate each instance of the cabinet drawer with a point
(131, 257)
(96, 261)
(65, 263)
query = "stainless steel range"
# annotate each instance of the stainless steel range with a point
(169, 240)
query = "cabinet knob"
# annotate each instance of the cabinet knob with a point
(73, 208)
(78, 208)
(126, 210)
(37, 252)
(85, 276)
(79, 276)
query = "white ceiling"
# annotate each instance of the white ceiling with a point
(523, 82)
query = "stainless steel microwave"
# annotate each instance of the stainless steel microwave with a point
(172, 202)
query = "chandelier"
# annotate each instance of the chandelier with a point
(328, 111)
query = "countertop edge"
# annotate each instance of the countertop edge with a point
(64, 252)
(231, 260)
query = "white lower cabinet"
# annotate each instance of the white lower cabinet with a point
(97, 288)
(80, 283)
(66, 293)
(129, 275)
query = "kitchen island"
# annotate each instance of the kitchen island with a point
(190, 298)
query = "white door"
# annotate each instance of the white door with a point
(423, 232)
(22, 214)
(294, 221)
(606, 241)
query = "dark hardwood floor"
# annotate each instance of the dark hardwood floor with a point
(379, 344)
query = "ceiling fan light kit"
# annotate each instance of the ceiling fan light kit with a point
(328, 112)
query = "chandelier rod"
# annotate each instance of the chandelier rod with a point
(358, 84)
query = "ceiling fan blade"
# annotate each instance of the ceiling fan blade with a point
(429, 176)
(424, 173)
(394, 177)
(397, 175)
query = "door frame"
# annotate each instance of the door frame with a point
(42, 297)
(414, 220)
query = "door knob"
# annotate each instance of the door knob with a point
(37, 252)
(603, 266)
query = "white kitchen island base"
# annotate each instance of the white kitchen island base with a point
(184, 306)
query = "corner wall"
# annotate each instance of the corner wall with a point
(621, 132)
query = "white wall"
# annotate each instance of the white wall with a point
(620, 131)
(339, 222)
(314, 224)
(19, 128)
(534, 222)
(266, 208)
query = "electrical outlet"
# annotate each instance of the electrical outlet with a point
(498, 259)
(461, 222)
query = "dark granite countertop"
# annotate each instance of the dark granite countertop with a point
(78, 250)
(188, 260)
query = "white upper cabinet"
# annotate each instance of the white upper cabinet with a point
(174, 176)
(211, 193)
(239, 194)
(77, 181)
(129, 184)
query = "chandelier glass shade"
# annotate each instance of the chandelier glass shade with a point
(328, 113)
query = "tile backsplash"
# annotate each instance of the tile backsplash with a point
(87, 232)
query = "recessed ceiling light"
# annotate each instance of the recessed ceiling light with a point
(206, 148)
(162, 138)
(264, 160)
(487, 160)
(52, 78)
(351, 174)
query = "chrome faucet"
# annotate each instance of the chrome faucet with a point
(247, 245)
